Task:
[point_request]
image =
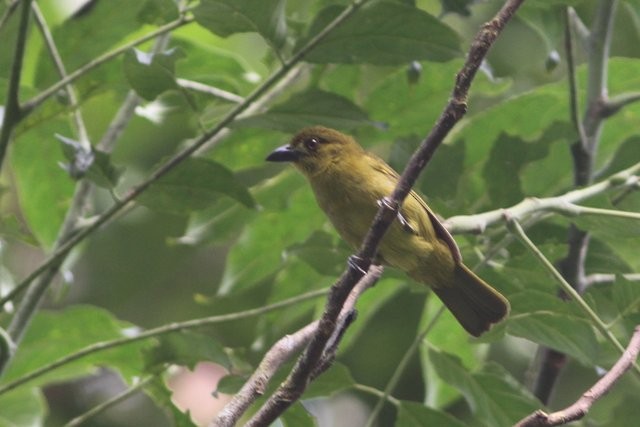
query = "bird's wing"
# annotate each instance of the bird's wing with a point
(440, 230)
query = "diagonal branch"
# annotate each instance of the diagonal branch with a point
(12, 111)
(296, 382)
(173, 162)
(582, 406)
(279, 353)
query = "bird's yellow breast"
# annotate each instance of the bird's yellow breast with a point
(349, 195)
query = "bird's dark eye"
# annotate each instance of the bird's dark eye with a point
(311, 143)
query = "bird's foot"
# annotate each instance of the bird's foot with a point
(401, 219)
(355, 262)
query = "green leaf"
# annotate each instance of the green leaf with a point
(22, 407)
(626, 296)
(226, 17)
(158, 12)
(461, 7)
(625, 156)
(502, 170)
(151, 74)
(72, 329)
(103, 172)
(447, 336)
(186, 348)
(383, 33)
(321, 253)
(263, 241)
(413, 414)
(609, 228)
(44, 190)
(297, 416)
(162, 396)
(196, 184)
(545, 319)
(230, 384)
(495, 398)
(335, 379)
(313, 107)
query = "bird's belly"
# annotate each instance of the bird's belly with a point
(398, 248)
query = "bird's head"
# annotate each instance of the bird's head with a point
(316, 149)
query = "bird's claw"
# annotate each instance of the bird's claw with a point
(401, 219)
(355, 262)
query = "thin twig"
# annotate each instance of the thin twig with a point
(10, 8)
(210, 90)
(294, 385)
(478, 223)
(98, 409)
(34, 102)
(615, 103)
(514, 225)
(12, 111)
(404, 362)
(83, 135)
(604, 278)
(582, 406)
(155, 332)
(33, 297)
(571, 71)
(174, 161)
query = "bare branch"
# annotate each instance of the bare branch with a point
(582, 406)
(615, 103)
(296, 382)
(282, 351)
(571, 70)
(478, 223)
(100, 408)
(12, 111)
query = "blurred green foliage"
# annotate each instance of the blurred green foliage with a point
(224, 232)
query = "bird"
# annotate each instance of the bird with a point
(349, 184)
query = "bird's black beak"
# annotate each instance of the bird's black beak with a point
(283, 154)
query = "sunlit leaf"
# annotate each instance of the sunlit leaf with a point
(413, 414)
(314, 107)
(196, 184)
(151, 74)
(71, 330)
(335, 379)
(495, 398)
(226, 17)
(185, 348)
(383, 33)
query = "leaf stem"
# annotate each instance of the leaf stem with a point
(34, 102)
(110, 402)
(397, 373)
(517, 229)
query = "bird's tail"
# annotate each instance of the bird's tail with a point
(474, 303)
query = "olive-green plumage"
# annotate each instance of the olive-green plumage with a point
(349, 183)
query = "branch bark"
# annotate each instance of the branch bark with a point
(582, 406)
(282, 351)
(296, 382)
(584, 152)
